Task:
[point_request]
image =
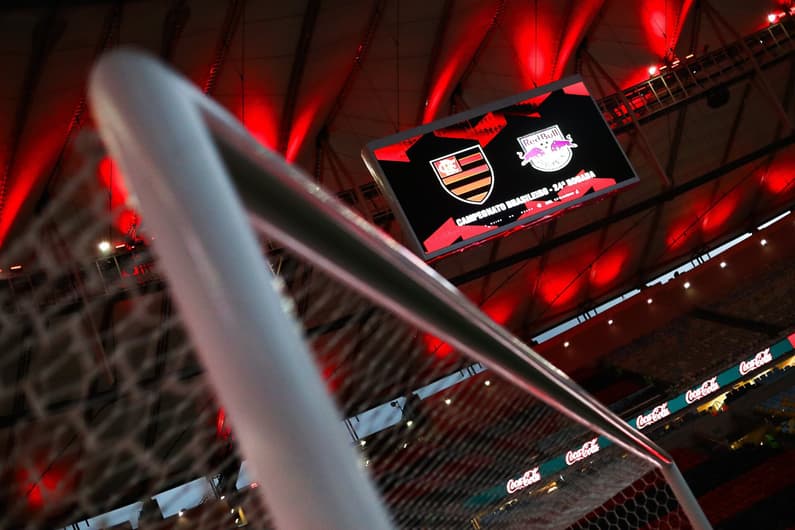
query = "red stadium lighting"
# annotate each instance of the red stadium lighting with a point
(652, 70)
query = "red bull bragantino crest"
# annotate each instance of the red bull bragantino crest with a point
(465, 174)
(546, 150)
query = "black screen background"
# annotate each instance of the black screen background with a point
(427, 205)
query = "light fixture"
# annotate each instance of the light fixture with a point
(649, 300)
(362, 442)
(181, 513)
(223, 497)
(409, 423)
(610, 322)
(447, 401)
(763, 242)
(405, 444)
(722, 264)
(687, 285)
(15, 267)
(566, 344)
(104, 246)
(487, 382)
(772, 17)
(652, 70)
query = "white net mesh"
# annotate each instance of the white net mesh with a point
(107, 418)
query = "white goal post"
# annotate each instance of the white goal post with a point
(168, 139)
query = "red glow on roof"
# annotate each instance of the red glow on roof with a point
(222, 428)
(582, 14)
(662, 22)
(718, 216)
(332, 374)
(260, 119)
(680, 232)
(535, 47)
(608, 267)
(500, 309)
(780, 176)
(436, 347)
(45, 482)
(560, 284)
(110, 177)
(30, 166)
(443, 84)
(461, 50)
(300, 129)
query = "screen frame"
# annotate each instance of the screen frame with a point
(379, 176)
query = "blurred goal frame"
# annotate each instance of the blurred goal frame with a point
(189, 164)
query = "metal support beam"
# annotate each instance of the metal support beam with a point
(174, 23)
(670, 166)
(495, 21)
(635, 209)
(736, 122)
(232, 18)
(108, 38)
(650, 155)
(732, 321)
(436, 49)
(715, 18)
(297, 72)
(361, 52)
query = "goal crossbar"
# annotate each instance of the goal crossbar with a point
(193, 168)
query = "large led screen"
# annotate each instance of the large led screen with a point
(481, 173)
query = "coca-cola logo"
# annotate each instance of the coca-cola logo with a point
(659, 412)
(529, 478)
(588, 448)
(707, 387)
(761, 359)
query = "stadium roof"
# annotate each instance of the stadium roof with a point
(317, 80)
(710, 134)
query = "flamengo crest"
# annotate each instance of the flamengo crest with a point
(546, 150)
(465, 174)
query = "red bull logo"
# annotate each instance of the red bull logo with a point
(546, 150)
(465, 174)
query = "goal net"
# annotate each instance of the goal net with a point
(113, 418)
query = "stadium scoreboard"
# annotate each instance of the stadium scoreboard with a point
(479, 174)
